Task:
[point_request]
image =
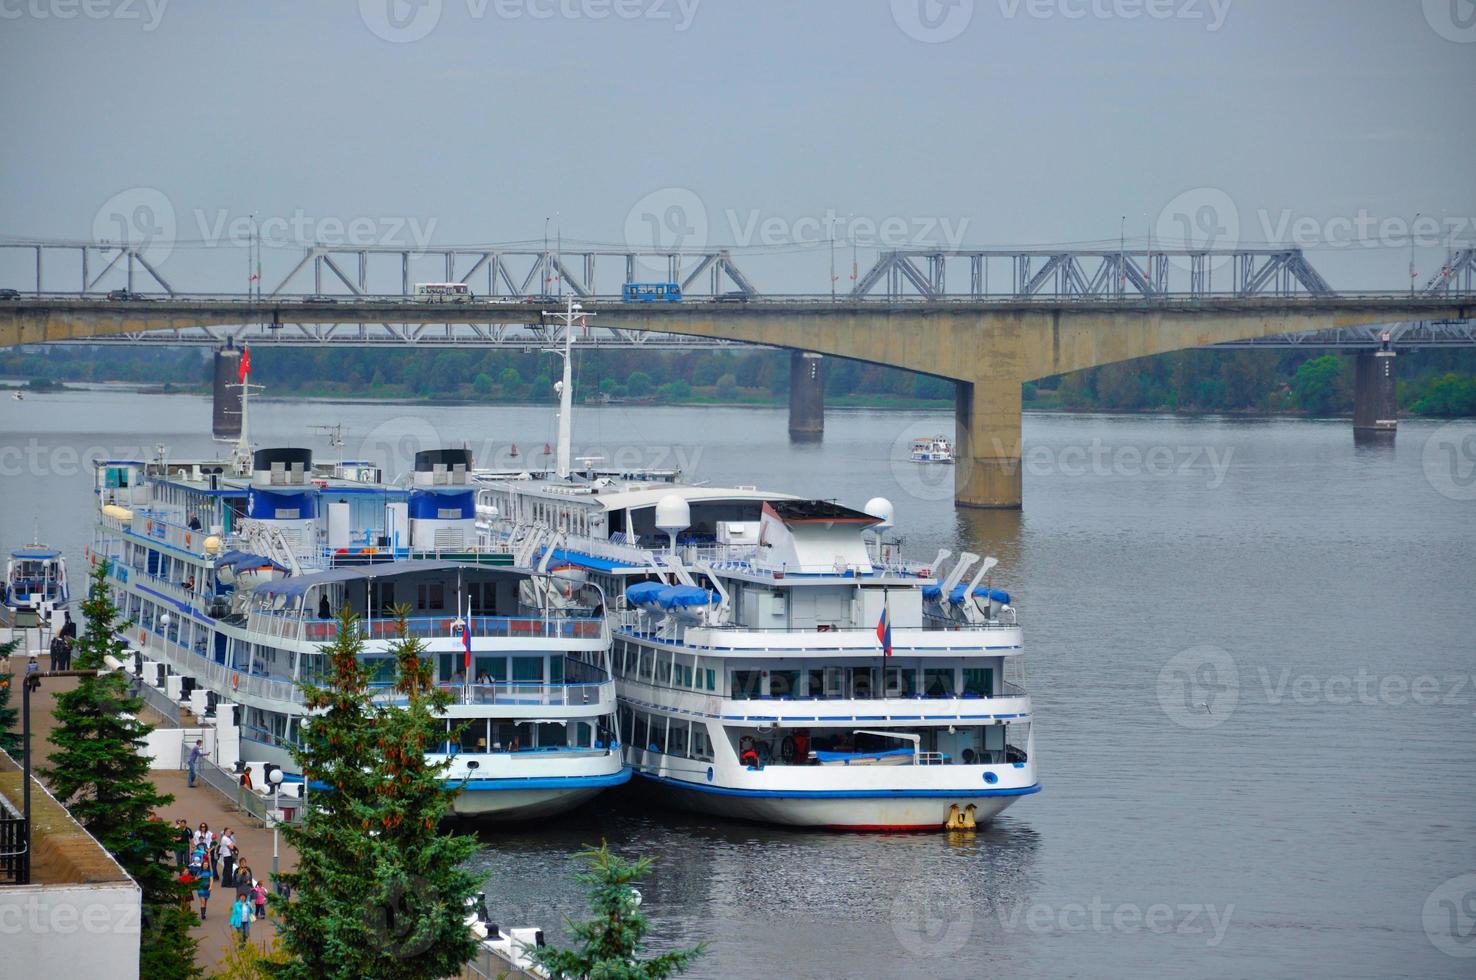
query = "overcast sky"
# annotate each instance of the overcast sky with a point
(718, 122)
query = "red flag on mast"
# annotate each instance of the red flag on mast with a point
(244, 368)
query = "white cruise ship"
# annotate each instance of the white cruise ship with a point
(232, 574)
(775, 659)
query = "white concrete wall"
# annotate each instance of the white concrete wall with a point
(70, 931)
(168, 748)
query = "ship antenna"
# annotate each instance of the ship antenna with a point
(572, 311)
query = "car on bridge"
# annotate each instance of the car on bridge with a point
(10, 294)
(123, 294)
(651, 292)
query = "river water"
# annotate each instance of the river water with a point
(1251, 646)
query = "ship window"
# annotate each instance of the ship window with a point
(862, 681)
(746, 684)
(527, 669)
(901, 682)
(676, 738)
(641, 735)
(784, 683)
(430, 595)
(474, 736)
(658, 734)
(663, 668)
(938, 682)
(556, 670)
(553, 734)
(701, 745)
(647, 656)
(978, 682)
(711, 679)
(815, 683)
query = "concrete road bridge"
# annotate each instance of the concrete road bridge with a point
(1060, 312)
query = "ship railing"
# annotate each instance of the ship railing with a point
(164, 526)
(513, 693)
(292, 627)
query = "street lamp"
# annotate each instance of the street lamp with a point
(1411, 251)
(275, 778)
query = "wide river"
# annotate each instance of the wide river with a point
(1251, 646)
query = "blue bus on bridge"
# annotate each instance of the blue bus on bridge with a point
(652, 292)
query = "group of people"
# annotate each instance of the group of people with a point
(204, 857)
(61, 654)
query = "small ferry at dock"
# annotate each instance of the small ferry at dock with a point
(36, 583)
(232, 573)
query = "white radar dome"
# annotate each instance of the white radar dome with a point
(673, 513)
(881, 508)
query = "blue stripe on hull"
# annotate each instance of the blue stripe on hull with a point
(842, 794)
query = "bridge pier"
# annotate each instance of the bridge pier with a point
(1375, 399)
(987, 444)
(225, 416)
(806, 397)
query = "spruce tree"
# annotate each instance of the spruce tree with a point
(100, 772)
(610, 942)
(10, 737)
(378, 891)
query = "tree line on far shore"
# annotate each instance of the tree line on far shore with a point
(1440, 383)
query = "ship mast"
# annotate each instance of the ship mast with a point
(573, 311)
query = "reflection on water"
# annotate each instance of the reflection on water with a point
(1311, 821)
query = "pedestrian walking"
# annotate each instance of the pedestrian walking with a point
(202, 885)
(183, 843)
(58, 650)
(195, 754)
(227, 857)
(187, 891)
(243, 880)
(241, 916)
(259, 899)
(33, 675)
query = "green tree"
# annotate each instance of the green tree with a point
(610, 941)
(1447, 396)
(674, 391)
(727, 385)
(379, 891)
(482, 384)
(638, 384)
(10, 739)
(1319, 385)
(100, 772)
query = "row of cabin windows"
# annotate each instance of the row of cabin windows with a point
(681, 737)
(863, 683)
(665, 668)
(491, 735)
(431, 596)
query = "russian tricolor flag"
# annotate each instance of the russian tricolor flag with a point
(466, 631)
(884, 632)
